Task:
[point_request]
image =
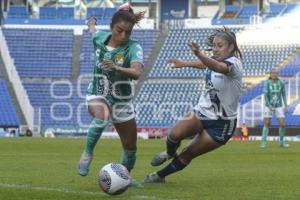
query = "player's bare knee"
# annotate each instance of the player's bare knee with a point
(129, 145)
(174, 135)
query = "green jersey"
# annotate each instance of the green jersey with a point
(274, 92)
(109, 83)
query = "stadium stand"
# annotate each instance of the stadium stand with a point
(18, 12)
(41, 52)
(259, 59)
(175, 48)
(289, 8)
(59, 103)
(231, 12)
(291, 68)
(156, 110)
(8, 116)
(47, 53)
(58, 42)
(274, 10)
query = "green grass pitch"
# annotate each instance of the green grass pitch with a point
(44, 169)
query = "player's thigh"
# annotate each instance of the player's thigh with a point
(279, 112)
(186, 127)
(267, 113)
(98, 108)
(128, 133)
(267, 121)
(281, 121)
(200, 144)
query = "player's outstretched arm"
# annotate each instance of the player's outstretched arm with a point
(212, 64)
(177, 63)
(91, 23)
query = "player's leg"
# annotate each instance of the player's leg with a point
(215, 134)
(201, 143)
(128, 135)
(99, 110)
(184, 128)
(123, 117)
(265, 132)
(281, 118)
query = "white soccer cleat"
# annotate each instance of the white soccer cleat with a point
(153, 178)
(84, 164)
(160, 158)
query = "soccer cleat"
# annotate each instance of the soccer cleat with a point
(160, 158)
(263, 145)
(284, 145)
(136, 184)
(153, 178)
(84, 164)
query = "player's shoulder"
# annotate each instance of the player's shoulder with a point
(268, 81)
(101, 35)
(233, 60)
(282, 82)
(134, 44)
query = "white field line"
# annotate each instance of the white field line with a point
(63, 190)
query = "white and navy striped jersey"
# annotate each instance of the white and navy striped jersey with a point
(222, 91)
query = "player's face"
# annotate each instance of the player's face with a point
(274, 74)
(221, 48)
(121, 32)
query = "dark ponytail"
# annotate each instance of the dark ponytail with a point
(229, 36)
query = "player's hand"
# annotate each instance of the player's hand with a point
(176, 63)
(285, 109)
(271, 108)
(195, 48)
(108, 64)
(92, 21)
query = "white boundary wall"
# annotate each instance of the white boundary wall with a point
(14, 78)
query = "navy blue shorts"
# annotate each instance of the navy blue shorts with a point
(220, 130)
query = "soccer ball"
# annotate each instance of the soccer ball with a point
(114, 178)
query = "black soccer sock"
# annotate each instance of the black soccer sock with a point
(174, 166)
(172, 146)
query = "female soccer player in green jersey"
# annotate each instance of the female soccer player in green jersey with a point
(118, 60)
(275, 103)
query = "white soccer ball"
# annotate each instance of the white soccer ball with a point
(114, 178)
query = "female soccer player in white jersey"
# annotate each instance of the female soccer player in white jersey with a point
(213, 120)
(275, 103)
(118, 60)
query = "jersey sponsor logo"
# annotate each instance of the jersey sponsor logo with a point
(119, 59)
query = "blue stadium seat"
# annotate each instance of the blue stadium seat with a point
(41, 52)
(65, 12)
(8, 116)
(48, 13)
(18, 12)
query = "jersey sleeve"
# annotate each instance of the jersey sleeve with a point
(136, 54)
(98, 37)
(235, 67)
(266, 91)
(283, 93)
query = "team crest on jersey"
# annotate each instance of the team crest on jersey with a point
(119, 59)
